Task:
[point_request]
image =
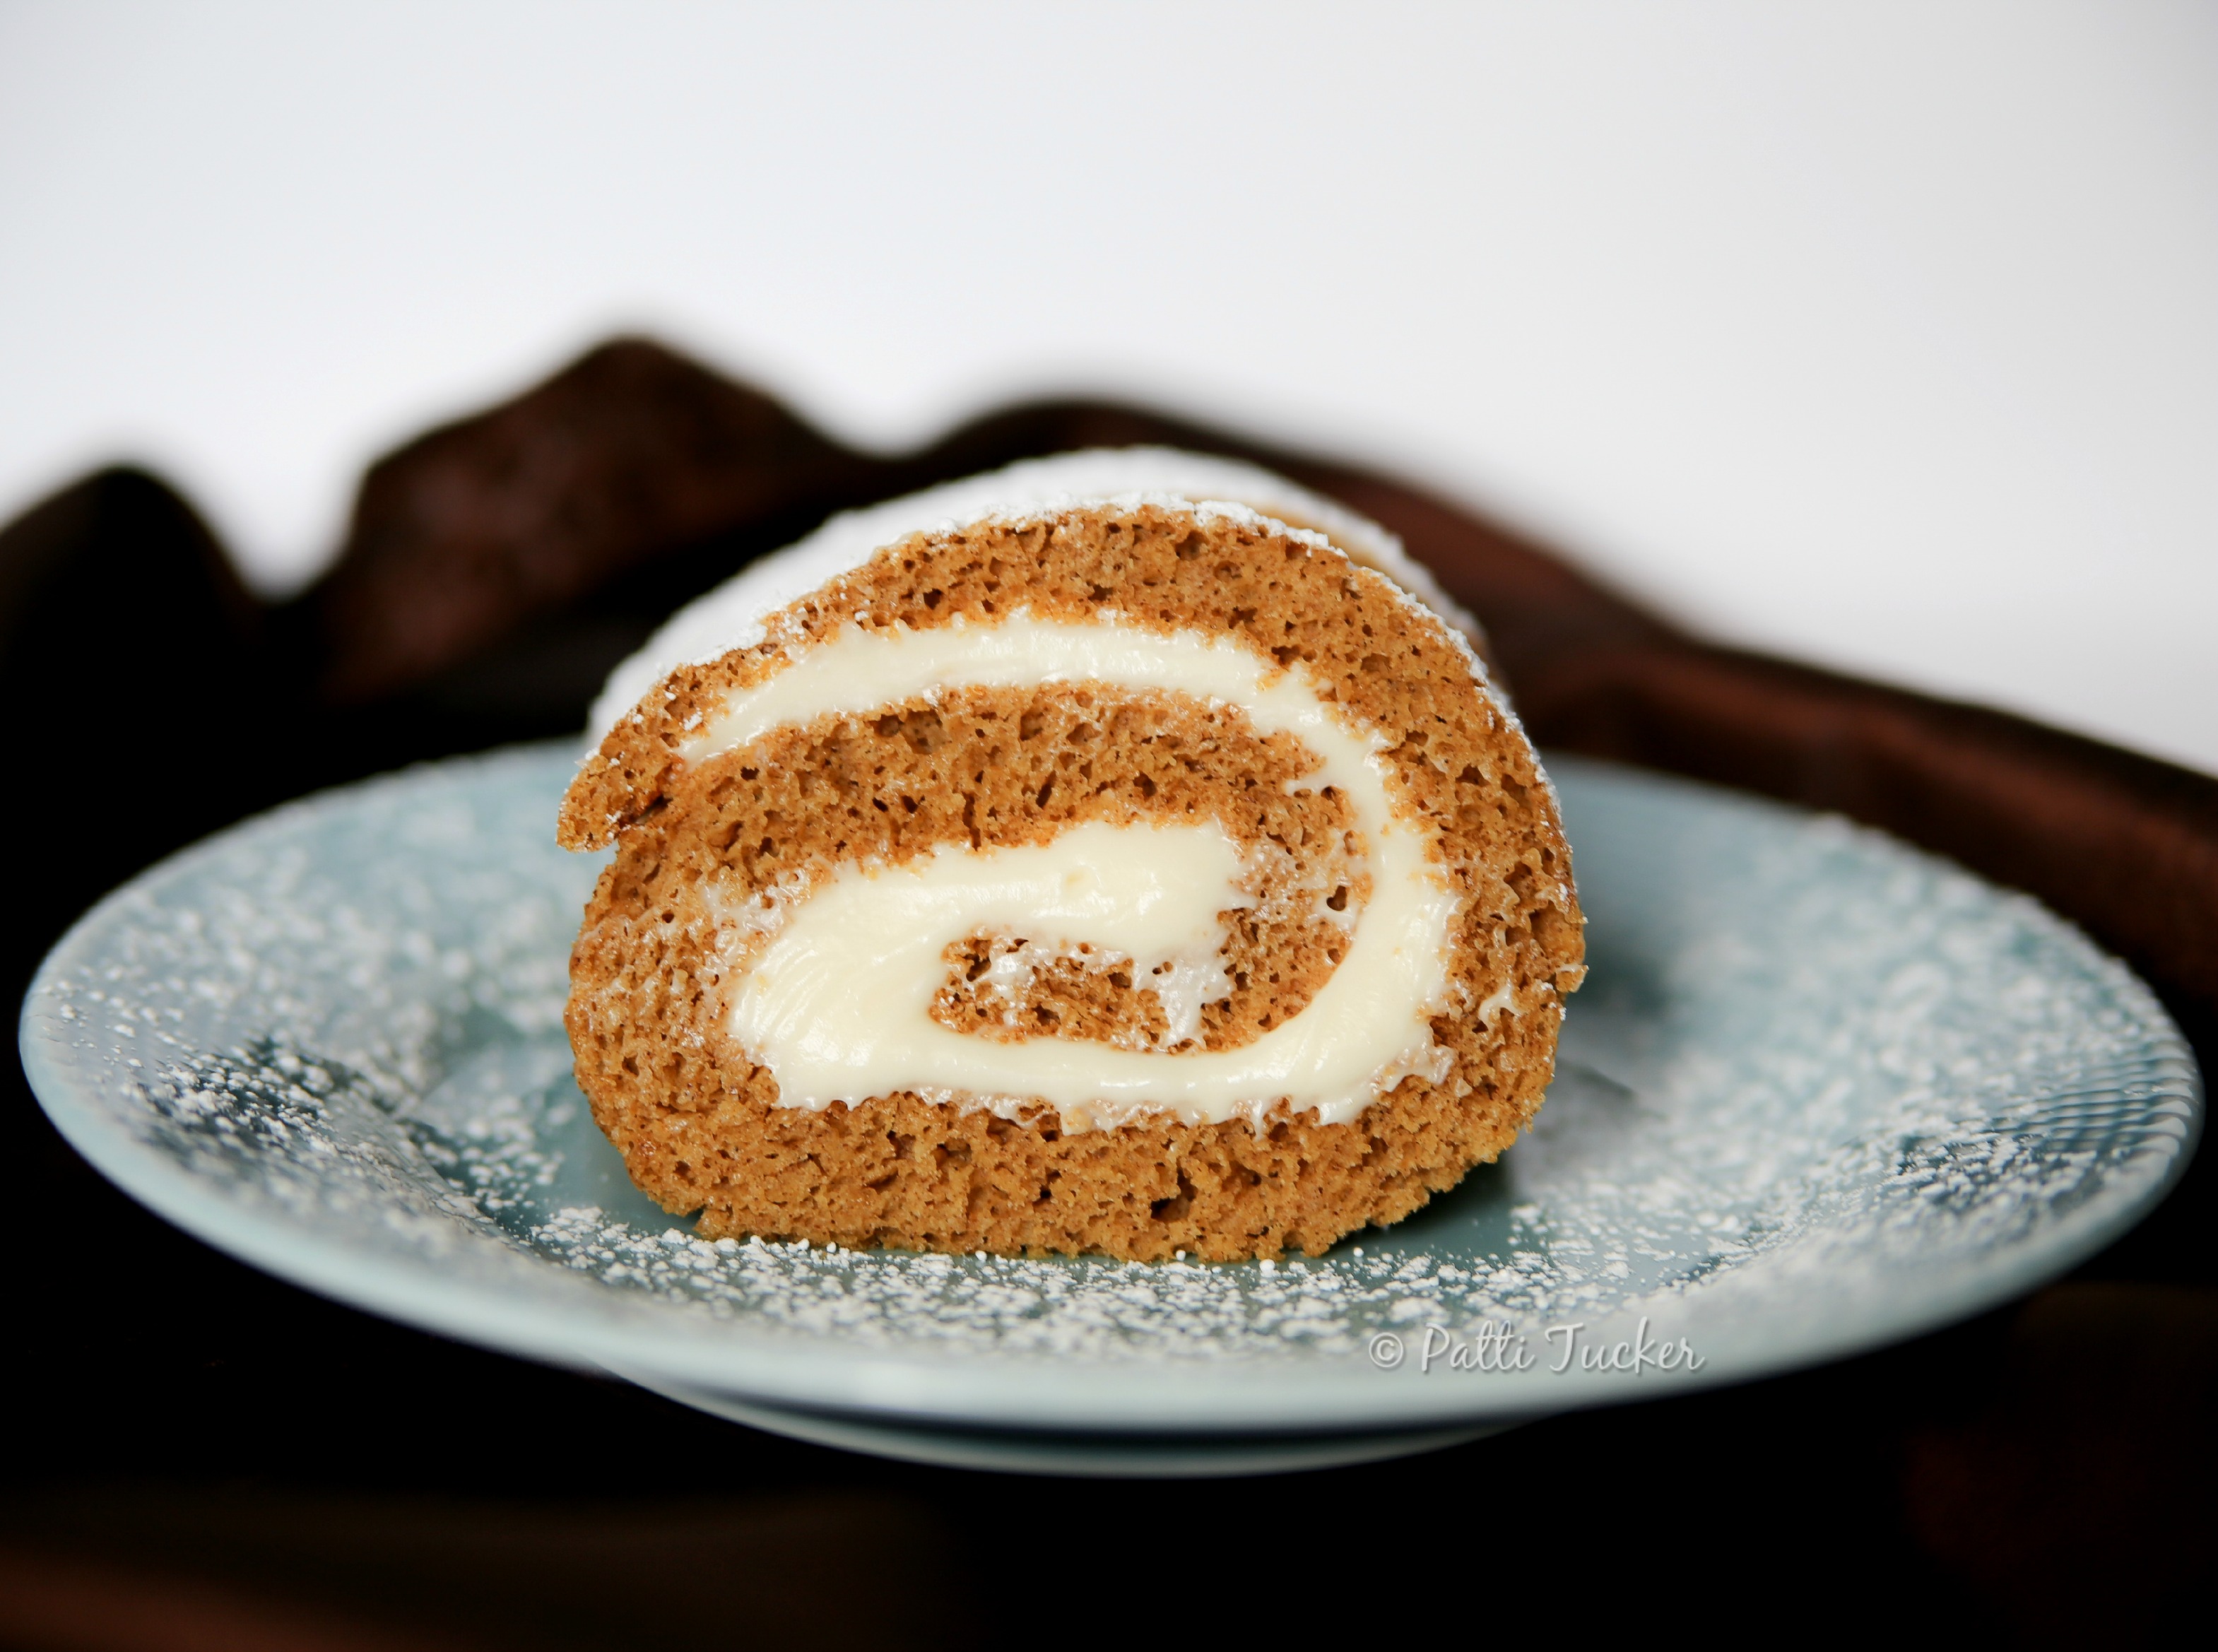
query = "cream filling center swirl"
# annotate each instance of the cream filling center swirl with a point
(837, 1003)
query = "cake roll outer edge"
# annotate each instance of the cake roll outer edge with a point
(735, 614)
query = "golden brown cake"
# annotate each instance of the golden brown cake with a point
(1123, 852)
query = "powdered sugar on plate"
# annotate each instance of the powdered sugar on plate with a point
(1820, 1090)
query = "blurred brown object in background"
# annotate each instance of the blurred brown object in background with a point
(473, 530)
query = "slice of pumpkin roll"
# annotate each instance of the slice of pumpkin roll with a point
(1123, 852)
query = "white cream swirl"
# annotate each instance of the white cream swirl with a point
(836, 1004)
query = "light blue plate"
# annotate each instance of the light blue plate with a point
(1821, 1091)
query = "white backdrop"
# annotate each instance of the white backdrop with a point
(1883, 334)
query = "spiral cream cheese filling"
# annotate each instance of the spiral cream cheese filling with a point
(836, 1004)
